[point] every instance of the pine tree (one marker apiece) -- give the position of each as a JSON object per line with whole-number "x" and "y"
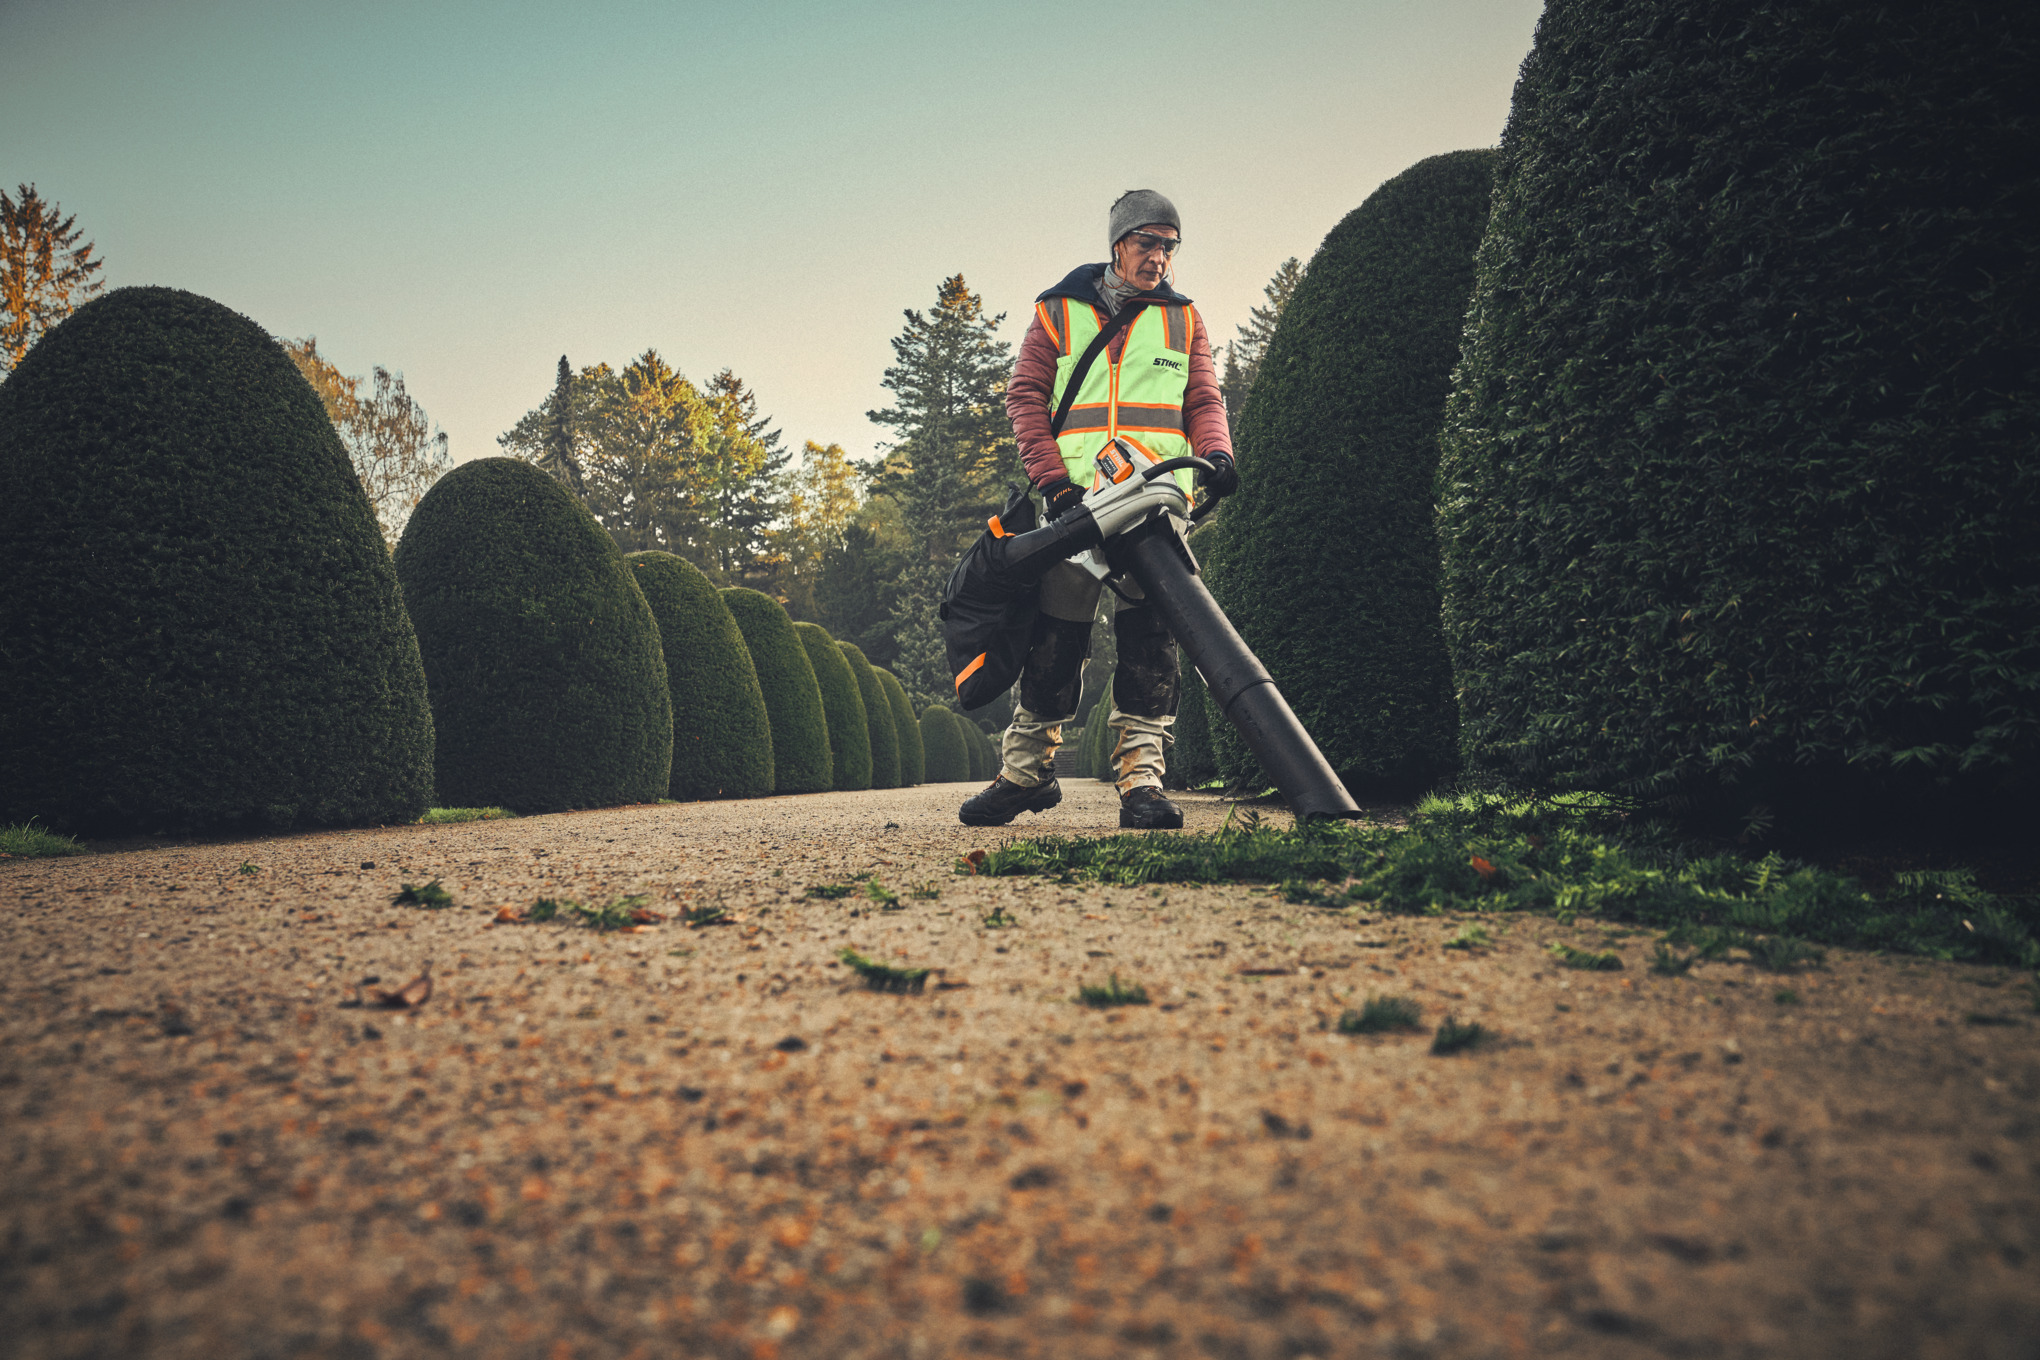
{"x": 741, "y": 467}
{"x": 557, "y": 456}
{"x": 952, "y": 449}
{"x": 1243, "y": 356}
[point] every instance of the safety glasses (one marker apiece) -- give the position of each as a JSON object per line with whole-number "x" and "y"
{"x": 1148, "y": 243}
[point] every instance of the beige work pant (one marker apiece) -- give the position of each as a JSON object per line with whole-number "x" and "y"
{"x": 1138, "y": 752}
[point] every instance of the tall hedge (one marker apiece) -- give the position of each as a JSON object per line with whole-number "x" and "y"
{"x": 1101, "y": 739}
{"x": 913, "y": 768}
{"x": 1329, "y": 563}
{"x": 801, "y": 762}
{"x": 878, "y": 719}
{"x": 722, "y": 740}
{"x": 199, "y": 625}
{"x": 1190, "y": 760}
{"x": 948, "y": 759}
{"x": 542, "y": 658}
{"x": 843, "y": 704}
{"x": 1740, "y": 480}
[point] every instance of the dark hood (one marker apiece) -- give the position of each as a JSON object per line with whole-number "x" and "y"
{"x": 1081, "y": 283}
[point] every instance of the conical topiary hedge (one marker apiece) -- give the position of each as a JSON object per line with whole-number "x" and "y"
{"x": 1329, "y": 561}
{"x": 199, "y": 625}
{"x": 942, "y": 738}
{"x": 542, "y": 658}
{"x": 878, "y": 719}
{"x": 843, "y": 705}
{"x": 793, "y": 698}
{"x": 722, "y": 740}
{"x": 912, "y": 760}
{"x": 1737, "y": 491}
{"x": 973, "y": 749}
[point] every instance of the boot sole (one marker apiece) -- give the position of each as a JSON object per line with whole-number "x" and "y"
{"x": 1127, "y": 823}
{"x": 986, "y": 819}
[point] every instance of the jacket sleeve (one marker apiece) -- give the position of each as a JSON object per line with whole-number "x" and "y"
{"x": 1027, "y": 404}
{"x": 1204, "y": 418}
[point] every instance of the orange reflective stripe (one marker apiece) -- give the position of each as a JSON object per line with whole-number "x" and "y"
{"x": 1190, "y": 335}
{"x": 971, "y": 669}
{"x": 1048, "y": 324}
{"x": 998, "y": 529}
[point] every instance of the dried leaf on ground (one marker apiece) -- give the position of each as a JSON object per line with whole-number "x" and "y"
{"x": 410, "y": 996}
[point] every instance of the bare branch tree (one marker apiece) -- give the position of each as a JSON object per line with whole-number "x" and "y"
{"x": 396, "y": 451}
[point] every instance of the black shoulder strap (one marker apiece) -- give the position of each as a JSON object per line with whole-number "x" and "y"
{"x": 1118, "y": 323}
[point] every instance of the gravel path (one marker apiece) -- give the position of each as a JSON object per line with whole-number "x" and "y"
{"x": 712, "y": 1142}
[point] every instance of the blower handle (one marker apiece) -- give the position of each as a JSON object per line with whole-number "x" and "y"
{"x": 1196, "y": 464}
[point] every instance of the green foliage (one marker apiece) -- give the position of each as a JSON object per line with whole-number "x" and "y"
{"x": 199, "y": 626}
{"x": 942, "y": 739}
{"x": 913, "y": 760}
{"x": 1561, "y": 858}
{"x": 801, "y": 762}
{"x": 614, "y": 915}
{"x": 1382, "y": 1015}
{"x": 1584, "y": 958}
{"x": 1329, "y": 561}
{"x": 1737, "y": 485}
{"x": 842, "y": 706}
{"x": 878, "y": 719}
{"x": 831, "y": 892}
{"x": 722, "y": 739}
{"x": 1474, "y": 936}
{"x": 1454, "y": 1037}
{"x": 428, "y": 895}
{"x": 885, "y": 898}
{"x": 445, "y": 816}
{"x": 547, "y": 682}
{"x": 1113, "y": 993}
{"x": 881, "y": 977}
{"x": 1668, "y": 962}
{"x": 26, "y": 840}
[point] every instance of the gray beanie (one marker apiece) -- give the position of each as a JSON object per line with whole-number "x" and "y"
{"x": 1138, "y": 208}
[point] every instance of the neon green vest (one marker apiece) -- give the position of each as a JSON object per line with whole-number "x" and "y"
{"x": 1139, "y": 399}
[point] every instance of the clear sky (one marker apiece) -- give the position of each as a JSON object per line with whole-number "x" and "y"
{"x": 462, "y": 192}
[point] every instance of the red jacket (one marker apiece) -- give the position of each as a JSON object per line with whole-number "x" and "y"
{"x": 1033, "y": 380}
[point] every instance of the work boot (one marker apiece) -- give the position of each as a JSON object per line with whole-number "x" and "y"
{"x": 1145, "y": 808}
{"x": 1002, "y": 800}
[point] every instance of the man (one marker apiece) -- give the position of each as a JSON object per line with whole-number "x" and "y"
{"x": 1155, "y": 387}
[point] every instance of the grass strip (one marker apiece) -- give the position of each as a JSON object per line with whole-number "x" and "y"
{"x": 1383, "y": 1015}
{"x": 441, "y": 816}
{"x": 26, "y": 840}
{"x": 1113, "y": 993}
{"x": 428, "y": 895}
{"x": 883, "y": 977}
{"x": 1567, "y": 858}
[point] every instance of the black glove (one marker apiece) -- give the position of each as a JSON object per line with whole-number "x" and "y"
{"x": 1223, "y": 479}
{"x": 1063, "y": 496}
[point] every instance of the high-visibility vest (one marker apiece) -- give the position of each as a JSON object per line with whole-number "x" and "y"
{"x": 1138, "y": 399}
